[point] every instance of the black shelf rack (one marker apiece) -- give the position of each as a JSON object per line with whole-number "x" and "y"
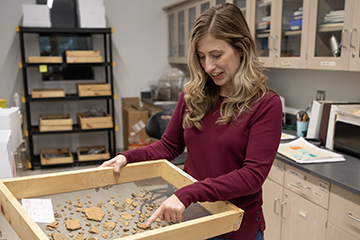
{"x": 108, "y": 68}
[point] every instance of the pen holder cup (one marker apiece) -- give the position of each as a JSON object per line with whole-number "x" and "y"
{"x": 301, "y": 128}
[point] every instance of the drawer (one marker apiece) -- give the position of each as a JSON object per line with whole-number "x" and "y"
{"x": 344, "y": 210}
{"x": 277, "y": 172}
{"x": 334, "y": 233}
{"x": 307, "y": 186}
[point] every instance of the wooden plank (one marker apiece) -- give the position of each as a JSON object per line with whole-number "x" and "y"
{"x": 58, "y": 160}
{"x": 82, "y": 53}
{"x": 92, "y": 59}
{"x": 44, "y": 59}
{"x": 47, "y": 93}
{"x": 17, "y": 217}
{"x": 55, "y": 119}
{"x": 55, "y": 128}
{"x": 90, "y": 157}
{"x": 94, "y": 122}
{"x": 54, "y": 183}
{"x": 93, "y": 86}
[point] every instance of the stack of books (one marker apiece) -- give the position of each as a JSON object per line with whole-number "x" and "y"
{"x": 296, "y": 20}
{"x": 333, "y": 19}
{"x": 264, "y": 25}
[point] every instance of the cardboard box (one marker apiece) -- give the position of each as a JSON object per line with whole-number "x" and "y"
{"x": 92, "y": 17}
{"x": 36, "y": 15}
{"x": 55, "y": 122}
{"x": 134, "y": 120}
{"x": 49, "y": 160}
{"x": 95, "y": 122}
{"x": 223, "y": 216}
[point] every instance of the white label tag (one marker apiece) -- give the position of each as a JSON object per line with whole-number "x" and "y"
{"x": 330, "y": 64}
{"x": 138, "y": 126}
{"x": 40, "y": 210}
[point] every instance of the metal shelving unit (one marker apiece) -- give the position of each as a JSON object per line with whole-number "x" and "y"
{"x": 108, "y": 68}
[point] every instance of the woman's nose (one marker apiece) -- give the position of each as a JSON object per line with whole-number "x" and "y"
{"x": 209, "y": 66}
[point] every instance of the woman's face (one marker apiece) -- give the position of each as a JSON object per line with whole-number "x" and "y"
{"x": 220, "y": 60}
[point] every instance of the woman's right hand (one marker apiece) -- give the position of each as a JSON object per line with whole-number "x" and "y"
{"x": 117, "y": 162}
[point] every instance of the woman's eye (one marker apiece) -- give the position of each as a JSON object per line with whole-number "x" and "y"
{"x": 201, "y": 57}
{"x": 216, "y": 56}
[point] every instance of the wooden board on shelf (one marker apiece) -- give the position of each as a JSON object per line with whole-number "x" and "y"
{"x": 224, "y": 217}
{"x": 65, "y": 156}
{"x": 87, "y": 59}
{"x": 55, "y": 122}
{"x": 48, "y": 93}
{"x": 94, "y": 122}
{"x": 44, "y": 59}
{"x": 92, "y": 157}
{"x": 93, "y": 89}
{"x": 82, "y": 53}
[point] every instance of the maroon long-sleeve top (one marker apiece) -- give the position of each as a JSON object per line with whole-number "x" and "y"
{"x": 231, "y": 162}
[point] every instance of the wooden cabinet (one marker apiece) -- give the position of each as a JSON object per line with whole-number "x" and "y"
{"x": 334, "y": 44}
{"x": 319, "y": 34}
{"x": 344, "y": 214}
{"x": 295, "y": 204}
{"x": 181, "y": 19}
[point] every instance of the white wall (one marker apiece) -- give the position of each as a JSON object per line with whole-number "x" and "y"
{"x": 299, "y": 87}
{"x": 140, "y": 53}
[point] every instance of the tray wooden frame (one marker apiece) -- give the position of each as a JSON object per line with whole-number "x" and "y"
{"x": 55, "y": 122}
{"x": 48, "y": 93}
{"x": 225, "y": 216}
{"x": 94, "y": 122}
{"x": 93, "y": 89}
{"x": 92, "y": 157}
{"x": 59, "y": 160}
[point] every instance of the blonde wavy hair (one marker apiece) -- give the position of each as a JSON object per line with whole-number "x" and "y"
{"x": 225, "y": 22}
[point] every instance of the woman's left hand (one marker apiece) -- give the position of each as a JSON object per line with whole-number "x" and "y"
{"x": 171, "y": 210}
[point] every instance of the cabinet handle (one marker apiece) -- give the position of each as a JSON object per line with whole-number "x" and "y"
{"x": 305, "y": 187}
{"x": 351, "y": 35}
{"x": 276, "y": 199}
{"x": 274, "y": 43}
{"x": 282, "y": 210}
{"x": 352, "y": 217}
{"x": 269, "y": 37}
{"x": 342, "y": 37}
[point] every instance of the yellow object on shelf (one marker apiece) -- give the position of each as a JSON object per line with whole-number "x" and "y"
{"x": 2, "y": 103}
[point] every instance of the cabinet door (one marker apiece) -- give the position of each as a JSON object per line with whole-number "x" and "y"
{"x": 329, "y": 34}
{"x": 291, "y": 34}
{"x": 334, "y": 233}
{"x": 355, "y": 39}
{"x": 265, "y": 19}
{"x": 302, "y": 219}
{"x": 172, "y": 35}
{"x": 272, "y": 198}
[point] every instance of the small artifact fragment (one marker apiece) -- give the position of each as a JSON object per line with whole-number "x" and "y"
{"x": 119, "y": 208}
{"x": 143, "y": 226}
{"x": 53, "y": 225}
{"x": 109, "y": 225}
{"x": 58, "y": 236}
{"x": 80, "y": 237}
{"x": 92, "y": 238}
{"x": 104, "y": 235}
{"x": 94, "y": 213}
{"x": 128, "y": 201}
{"x": 126, "y": 224}
{"x": 93, "y": 230}
{"x": 125, "y": 235}
{"x": 126, "y": 216}
{"x": 73, "y": 225}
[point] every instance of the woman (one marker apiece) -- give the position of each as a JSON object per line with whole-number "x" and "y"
{"x": 228, "y": 118}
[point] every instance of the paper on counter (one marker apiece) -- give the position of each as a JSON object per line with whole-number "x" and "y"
{"x": 40, "y": 210}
